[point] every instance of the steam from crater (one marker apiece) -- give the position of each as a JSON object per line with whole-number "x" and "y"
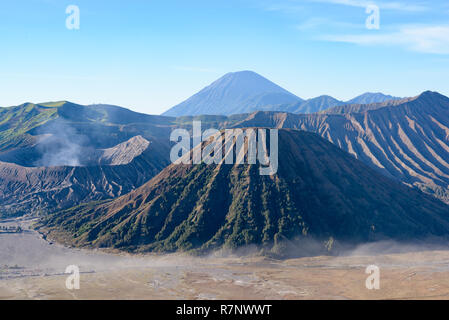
{"x": 61, "y": 145}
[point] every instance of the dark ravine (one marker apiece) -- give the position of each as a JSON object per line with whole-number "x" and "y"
{"x": 319, "y": 192}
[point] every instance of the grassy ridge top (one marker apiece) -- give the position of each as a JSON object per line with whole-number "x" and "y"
{"x": 16, "y": 122}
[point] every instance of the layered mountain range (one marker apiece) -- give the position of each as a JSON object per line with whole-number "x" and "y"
{"x": 407, "y": 139}
{"x": 319, "y": 192}
{"x": 247, "y": 91}
{"x": 403, "y": 139}
{"x": 359, "y": 185}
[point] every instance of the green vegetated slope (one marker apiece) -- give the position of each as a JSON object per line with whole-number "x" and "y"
{"x": 16, "y": 122}
{"x": 319, "y": 192}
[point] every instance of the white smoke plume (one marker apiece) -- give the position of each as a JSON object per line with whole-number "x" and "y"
{"x": 60, "y": 146}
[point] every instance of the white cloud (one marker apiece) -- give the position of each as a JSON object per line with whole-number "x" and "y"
{"x": 313, "y": 23}
{"x": 426, "y": 39}
{"x": 287, "y": 8}
{"x": 387, "y": 5}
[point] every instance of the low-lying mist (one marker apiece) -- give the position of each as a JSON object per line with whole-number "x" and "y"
{"x": 35, "y": 256}
{"x": 310, "y": 247}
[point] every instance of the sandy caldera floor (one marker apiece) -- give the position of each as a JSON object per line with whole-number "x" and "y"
{"x": 420, "y": 275}
{"x": 31, "y": 268}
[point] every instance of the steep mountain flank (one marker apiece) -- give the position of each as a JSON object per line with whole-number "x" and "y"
{"x": 319, "y": 192}
{"x": 122, "y": 153}
{"x": 407, "y": 140}
{"x": 403, "y": 139}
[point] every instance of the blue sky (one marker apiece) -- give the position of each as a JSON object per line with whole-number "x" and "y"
{"x": 150, "y": 55}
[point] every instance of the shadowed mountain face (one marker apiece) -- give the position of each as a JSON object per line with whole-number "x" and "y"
{"x": 328, "y": 104}
{"x": 319, "y": 192}
{"x": 357, "y": 108}
{"x": 371, "y": 97}
{"x": 406, "y": 139}
{"x": 239, "y": 92}
{"x": 313, "y": 105}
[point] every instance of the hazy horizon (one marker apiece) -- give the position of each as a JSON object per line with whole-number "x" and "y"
{"x": 134, "y": 109}
{"x": 148, "y": 57}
